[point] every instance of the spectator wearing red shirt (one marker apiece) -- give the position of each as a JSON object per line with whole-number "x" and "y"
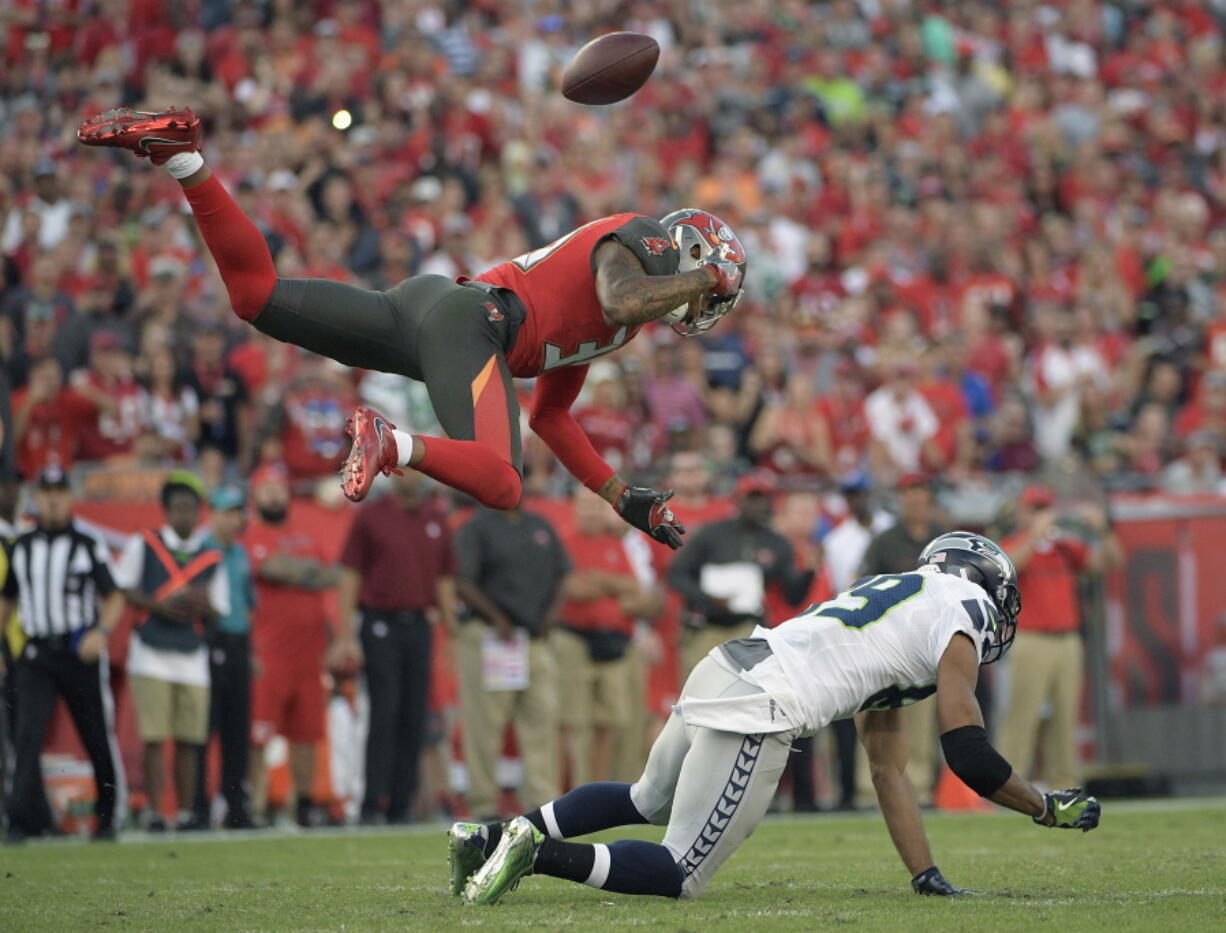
{"x": 397, "y": 579}
{"x": 787, "y": 439}
{"x": 1047, "y": 664}
{"x": 289, "y": 634}
{"x": 47, "y": 420}
{"x": 310, "y": 423}
{"x": 604, "y": 419}
{"x": 842, "y": 411}
{"x": 594, "y": 643}
{"x": 117, "y": 419}
{"x": 952, "y": 445}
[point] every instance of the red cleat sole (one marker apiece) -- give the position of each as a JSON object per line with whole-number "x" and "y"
{"x": 365, "y": 460}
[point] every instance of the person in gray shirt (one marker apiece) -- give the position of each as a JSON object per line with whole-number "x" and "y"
{"x": 512, "y": 568}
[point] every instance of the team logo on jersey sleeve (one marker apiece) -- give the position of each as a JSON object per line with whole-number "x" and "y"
{"x": 655, "y": 245}
{"x": 491, "y": 311}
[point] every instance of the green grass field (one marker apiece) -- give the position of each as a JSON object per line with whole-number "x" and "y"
{"x": 1149, "y": 867}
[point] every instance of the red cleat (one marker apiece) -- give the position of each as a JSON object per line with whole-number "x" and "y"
{"x": 155, "y": 136}
{"x": 374, "y": 452}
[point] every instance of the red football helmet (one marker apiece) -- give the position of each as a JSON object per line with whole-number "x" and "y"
{"x": 700, "y": 237}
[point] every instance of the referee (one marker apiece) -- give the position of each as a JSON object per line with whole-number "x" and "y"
{"x": 68, "y": 603}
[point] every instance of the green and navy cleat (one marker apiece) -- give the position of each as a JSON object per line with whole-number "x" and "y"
{"x": 465, "y": 853}
{"x": 503, "y": 870}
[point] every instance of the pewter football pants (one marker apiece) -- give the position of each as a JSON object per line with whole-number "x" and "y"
{"x": 427, "y": 328}
{"x": 710, "y": 788}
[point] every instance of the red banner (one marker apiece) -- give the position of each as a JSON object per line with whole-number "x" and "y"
{"x": 1166, "y": 607}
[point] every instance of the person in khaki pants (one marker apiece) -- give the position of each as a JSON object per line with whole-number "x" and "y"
{"x": 599, "y": 671}
{"x": 1047, "y": 665}
{"x": 512, "y": 571}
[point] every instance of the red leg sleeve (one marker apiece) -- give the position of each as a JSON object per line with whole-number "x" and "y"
{"x": 474, "y": 468}
{"x": 236, "y": 244}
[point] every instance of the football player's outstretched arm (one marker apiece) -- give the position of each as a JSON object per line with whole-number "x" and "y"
{"x": 630, "y": 297}
{"x": 885, "y": 741}
{"x": 973, "y": 759}
{"x": 552, "y": 421}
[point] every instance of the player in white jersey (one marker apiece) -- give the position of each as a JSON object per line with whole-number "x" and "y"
{"x": 889, "y": 641}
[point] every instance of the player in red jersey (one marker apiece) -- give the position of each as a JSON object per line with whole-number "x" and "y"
{"x": 544, "y": 314}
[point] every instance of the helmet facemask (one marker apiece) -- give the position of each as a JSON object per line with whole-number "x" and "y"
{"x": 700, "y": 237}
{"x": 982, "y": 562}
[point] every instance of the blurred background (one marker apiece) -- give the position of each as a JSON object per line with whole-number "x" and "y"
{"x": 987, "y": 257}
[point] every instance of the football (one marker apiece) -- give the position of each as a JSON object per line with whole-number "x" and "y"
{"x": 610, "y": 68}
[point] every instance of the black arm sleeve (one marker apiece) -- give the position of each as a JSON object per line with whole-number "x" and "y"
{"x": 650, "y": 243}
{"x": 971, "y": 756}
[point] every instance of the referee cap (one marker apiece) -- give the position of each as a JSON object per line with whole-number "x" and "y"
{"x": 52, "y": 476}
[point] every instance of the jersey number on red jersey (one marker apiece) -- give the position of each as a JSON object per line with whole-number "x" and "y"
{"x": 537, "y": 256}
{"x": 587, "y": 350}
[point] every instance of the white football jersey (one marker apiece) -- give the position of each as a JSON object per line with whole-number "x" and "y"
{"x": 875, "y": 646}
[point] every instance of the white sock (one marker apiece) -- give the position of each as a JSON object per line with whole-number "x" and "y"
{"x": 600, "y": 868}
{"x": 404, "y": 447}
{"x": 183, "y": 164}
{"x": 551, "y": 822}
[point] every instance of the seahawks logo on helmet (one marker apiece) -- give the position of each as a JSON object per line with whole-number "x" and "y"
{"x": 981, "y": 561}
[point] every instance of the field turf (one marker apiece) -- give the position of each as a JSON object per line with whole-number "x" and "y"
{"x": 1150, "y": 867}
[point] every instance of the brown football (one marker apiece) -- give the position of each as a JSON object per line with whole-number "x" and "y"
{"x": 610, "y": 68}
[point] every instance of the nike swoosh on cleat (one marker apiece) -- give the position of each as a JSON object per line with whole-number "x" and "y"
{"x": 145, "y": 140}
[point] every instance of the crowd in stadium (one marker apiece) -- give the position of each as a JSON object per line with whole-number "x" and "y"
{"x": 984, "y": 239}
{"x": 982, "y": 236}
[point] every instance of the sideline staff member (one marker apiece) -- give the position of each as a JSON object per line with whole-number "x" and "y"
{"x": 394, "y": 596}
{"x": 60, "y": 576}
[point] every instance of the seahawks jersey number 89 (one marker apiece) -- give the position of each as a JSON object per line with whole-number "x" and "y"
{"x": 875, "y": 646}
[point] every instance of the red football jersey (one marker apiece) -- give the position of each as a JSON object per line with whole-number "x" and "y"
{"x": 288, "y": 621}
{"x": 565, "y": 324}
{"x": 607, "y": 554}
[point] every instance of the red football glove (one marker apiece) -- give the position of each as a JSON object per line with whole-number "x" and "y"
{"x": 728, "y": 277}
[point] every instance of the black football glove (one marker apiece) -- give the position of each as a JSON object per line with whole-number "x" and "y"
{"x": 1070, "y": 809}
{"x": 933, "y": 882}
{"x": 645, "y": 509}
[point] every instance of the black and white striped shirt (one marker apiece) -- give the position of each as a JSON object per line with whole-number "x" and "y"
{"x": 58, "y": 579}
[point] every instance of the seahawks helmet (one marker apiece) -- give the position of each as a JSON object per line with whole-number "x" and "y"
{"x": 980, "y": 560}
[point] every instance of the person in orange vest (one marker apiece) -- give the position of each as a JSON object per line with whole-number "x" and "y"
{"x": 174, "y": 580}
